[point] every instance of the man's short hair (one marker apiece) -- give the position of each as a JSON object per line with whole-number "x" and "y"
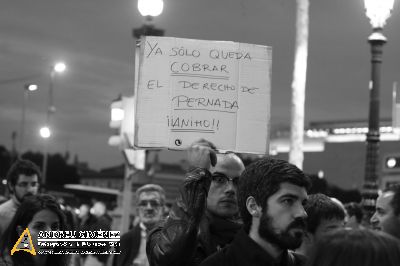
{"x": 320, "y": 207}
{"x": 22, "y": 167}
{"x": 151, "y": 188}
{"x": 262, "y": 179}
{"x": 354, "y": 209}
{"x": 395, "y": 203}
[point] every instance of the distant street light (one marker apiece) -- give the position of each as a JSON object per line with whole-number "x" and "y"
{"x": 60, "y": 67}
{"x": 45, "y": 132}
{"x": 31, "y": 87}
{"x": 149, "y": 9}
{"x": 378, "y": 11}
{"x": 27, "y": 89}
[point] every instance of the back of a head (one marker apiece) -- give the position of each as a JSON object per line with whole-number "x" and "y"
{"x": 356, "y": 247}
{"x": 99, "y": 208}
{"x": 262, "y": 179}
{"x": 321, "y": 207}
{"x": 22, "y": 167}
{"x": 354, "y": 209}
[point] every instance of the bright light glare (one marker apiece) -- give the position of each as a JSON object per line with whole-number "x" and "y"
{"x": 378, "y": 11}
{"x": 117, "y": 114}
{"x": 45, "y": 132}
{"x": 391, "y": 162}
{"x": 150, "y": 7}
{"x": 32, "y": 87}
{"x": 60, "y": 67}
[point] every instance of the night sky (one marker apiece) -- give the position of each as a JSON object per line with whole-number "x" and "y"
{"x": 94, "y": 39}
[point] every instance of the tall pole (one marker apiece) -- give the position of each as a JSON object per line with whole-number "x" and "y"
{"x": 370, "y": 187}
{"x": 50, "y": 111}
{"x": 22, "y": 131}
{"x": 296, "y": 154}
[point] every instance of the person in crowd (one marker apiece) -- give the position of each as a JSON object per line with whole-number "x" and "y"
{"x": 71, "y": 219}
{"x": 103, "y": 222}
{"x": 150, "y": 202}
{"x": 37, "y": 213}
{"x": 387, "y": 214}
{"x": 323, "y": 215}
{"x": 355, "y": 215}
{"x": 23, "y": 178}
{"x": 272, "y": 194}
{"x": 205, "y": 217}
{"x": 167, "y": 208}
{"x": 86, "y": 222}
{"x": 357, "y": 247}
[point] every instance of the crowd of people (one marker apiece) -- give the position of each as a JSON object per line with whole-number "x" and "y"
{"x": 226, "y": 214}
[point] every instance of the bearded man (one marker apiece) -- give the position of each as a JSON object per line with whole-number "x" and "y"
{"x": 23, "y": 179}
{"x": 271, "y": 194}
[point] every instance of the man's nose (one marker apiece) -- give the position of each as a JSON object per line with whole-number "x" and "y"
{"x": 230, "y": 187}
{"x": 374, "y": 219}
{"x": 32, "y": 189}
{"x": 301, "y": 212}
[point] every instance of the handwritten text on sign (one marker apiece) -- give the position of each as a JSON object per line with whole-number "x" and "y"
{"x": 190, "y": 89}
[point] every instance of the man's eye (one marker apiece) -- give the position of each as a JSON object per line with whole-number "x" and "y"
{"x": 55, "y": 227}
{"x": 288, "y": 201}
{"x": 39, "y": 227}
{"x": 220, "y": 179}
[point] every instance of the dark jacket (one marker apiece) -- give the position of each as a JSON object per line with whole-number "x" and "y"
{"x": 103, "y": 223}
{"x": 244, "y": 251}
{"x": 129, "y": 247}
{"x": 180, "y": 240}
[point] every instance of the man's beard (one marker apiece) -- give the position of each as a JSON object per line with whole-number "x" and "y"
{"x": 21, "y": 199}
{"x": 284, "y": 239}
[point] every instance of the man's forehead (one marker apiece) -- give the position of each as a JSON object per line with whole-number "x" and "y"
{"x": 229, "y": 165}
{"x": 27, "y": 178}
{"x": 384, "y": 199}
{"x": 291, "y": 189}
{"x": 145, "y": 195}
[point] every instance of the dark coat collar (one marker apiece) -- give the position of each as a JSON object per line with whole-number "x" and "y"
{"x": 245, "y": 251}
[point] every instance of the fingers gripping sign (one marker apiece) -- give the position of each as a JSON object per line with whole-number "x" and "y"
{"x": 202, "y": 154}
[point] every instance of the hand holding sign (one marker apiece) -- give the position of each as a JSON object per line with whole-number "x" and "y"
{"x": 202, "y": 154}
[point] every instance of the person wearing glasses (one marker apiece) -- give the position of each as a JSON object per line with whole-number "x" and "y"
{"x": 205, "y": 217}
{"x": 23, "y": 179}
{"x": 150, "y": 209}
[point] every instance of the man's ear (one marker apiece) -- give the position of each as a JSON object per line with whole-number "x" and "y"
{"x": 252, "y": 207}
{"x": 10, "y": 188}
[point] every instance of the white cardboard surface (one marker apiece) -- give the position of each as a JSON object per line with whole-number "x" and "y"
{"x": 191, "y": 89}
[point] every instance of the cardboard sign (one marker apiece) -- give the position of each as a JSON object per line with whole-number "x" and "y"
{"x": 191, "y": 89}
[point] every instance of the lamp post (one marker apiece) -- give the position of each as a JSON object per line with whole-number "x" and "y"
{"x": 27, "y": 89}
{"x": 45, "y": 132}
{"x": 378, "y": 11}
{"x": 149, "y": 9}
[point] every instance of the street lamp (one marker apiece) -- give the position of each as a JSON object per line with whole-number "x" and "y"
{"x": 27, "y": 89}
{"x": 45, "y": 132}
{"x": 378, "y": 11}
{"x": 149, "y": 9}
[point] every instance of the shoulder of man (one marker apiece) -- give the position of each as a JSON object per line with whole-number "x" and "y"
{"x": 296, "y": 259}
{"x": 6, "y": 205}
